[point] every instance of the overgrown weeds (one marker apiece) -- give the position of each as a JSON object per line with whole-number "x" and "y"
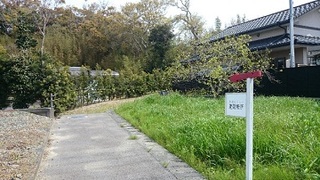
{"x": 286, "y": 134}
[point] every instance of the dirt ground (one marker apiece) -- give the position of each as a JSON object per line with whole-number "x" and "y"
{"x": 22, "y": 139}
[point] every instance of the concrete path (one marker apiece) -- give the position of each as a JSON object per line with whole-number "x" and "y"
{"x": 100, "y": 146}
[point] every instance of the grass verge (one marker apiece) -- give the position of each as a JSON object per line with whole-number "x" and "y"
{"x": 286, "y": 134}
{"x": 99, "y": 108}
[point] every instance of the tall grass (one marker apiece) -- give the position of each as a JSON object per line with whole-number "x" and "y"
{"x": 286, "y": 134}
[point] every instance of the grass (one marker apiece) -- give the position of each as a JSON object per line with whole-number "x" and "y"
{"x": 286, "y": 134}
{"x": 133, "y": 137}
{"x": 165, "y": 164}
{"x": 100, "y": 107}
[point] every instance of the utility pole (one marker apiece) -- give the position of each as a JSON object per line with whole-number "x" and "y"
{"x": 292, "y": 56}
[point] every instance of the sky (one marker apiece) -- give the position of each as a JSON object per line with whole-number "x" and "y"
{"x": 226, "y": 10}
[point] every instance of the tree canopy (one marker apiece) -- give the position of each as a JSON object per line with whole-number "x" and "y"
{"x": 97, "y": 33}
{"x": 40, "y": 38}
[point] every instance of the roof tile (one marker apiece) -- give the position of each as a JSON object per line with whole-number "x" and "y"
{"x": 275, "y": 19}
{"x": 283, "y": 40}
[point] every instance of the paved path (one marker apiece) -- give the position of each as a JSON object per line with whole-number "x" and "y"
{"x": 99, "y": 147}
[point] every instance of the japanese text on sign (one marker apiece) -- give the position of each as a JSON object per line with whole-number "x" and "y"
{"x": 236, "y": 104}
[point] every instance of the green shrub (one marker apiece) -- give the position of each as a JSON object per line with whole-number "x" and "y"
{"x": 29, "y": 78}
{"x": 57, "y": 81}
{"x": 21, "y": 74}
{"x": 4, "y": 91}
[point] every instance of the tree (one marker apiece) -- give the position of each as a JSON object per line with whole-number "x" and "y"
{"x": 43, "y": 16}
{"x": 218, "y": 24}
{"x": 238, "y": 20}
{"x": 57, "y": 80}
{"x": 12, "y": 13}
{"x": 160, "y": 41}
{"x": 5, "y": 27}
{"x": 63, "y": 37}
{"x": 190, "y": 23}
{"x": 21, "y": 75}
{"x": 138, "y": 19}
{"x": 217, "y": 61}
{"x": 26, "y": 30}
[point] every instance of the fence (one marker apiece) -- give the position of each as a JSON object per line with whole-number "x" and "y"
{"x": 302, "y": 82}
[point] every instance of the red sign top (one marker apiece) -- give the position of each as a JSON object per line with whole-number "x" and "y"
{"x": 242, "y": 76}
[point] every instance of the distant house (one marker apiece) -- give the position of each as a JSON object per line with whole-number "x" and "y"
{"x": 77, "y": 71}
{"x": 272, "y": 32}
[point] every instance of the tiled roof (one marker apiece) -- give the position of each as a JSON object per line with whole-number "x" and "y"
{"x": 283, "y": 40}
{"x": 275, "y": 19}
{"x": 272, "y": 42}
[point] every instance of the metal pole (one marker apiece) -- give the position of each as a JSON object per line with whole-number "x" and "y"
{"x": 292, "y": 56}
{"x": 249, "y": 127}
{"x": 51, "y": 100}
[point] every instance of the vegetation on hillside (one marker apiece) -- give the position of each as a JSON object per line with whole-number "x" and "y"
{"x": 40, "y": 39}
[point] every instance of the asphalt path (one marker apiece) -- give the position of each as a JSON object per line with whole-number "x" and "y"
{"x": 104, "y": 146}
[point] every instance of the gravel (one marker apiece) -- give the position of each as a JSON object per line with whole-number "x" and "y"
{"x": 23, "y": 137}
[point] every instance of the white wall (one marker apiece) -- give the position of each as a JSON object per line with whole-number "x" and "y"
{"x": 311, "y": 19}
{"x": 300, "y": 54}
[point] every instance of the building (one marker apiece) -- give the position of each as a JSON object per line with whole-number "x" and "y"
{"x": 272, "y": 32}
{"x": 76, "y": 71}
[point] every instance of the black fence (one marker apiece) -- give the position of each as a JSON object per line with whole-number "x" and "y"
{"x": 302, "y": 82}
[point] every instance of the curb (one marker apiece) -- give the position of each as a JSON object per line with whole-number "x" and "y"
{"x": 170, "y": 162}
{"x": 43, "y": 148}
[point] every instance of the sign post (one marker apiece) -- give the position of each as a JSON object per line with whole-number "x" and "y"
{"x": 248, "y": 114}
{"x": 249, "y": 129}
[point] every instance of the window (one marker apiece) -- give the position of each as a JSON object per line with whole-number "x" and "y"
{"x": 280, "y": 63}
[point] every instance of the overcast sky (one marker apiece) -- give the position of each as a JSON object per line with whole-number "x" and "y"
{"x": 226, "y": 10}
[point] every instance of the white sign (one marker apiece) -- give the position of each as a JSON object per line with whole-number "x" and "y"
{"x": 236, "y": 104}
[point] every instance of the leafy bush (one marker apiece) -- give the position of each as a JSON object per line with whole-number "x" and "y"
{"x": 29, "y": 78}
{"x": 21, "y": 75}
{"x": 57, "y": 81}
{"x": 105, "y": 84}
